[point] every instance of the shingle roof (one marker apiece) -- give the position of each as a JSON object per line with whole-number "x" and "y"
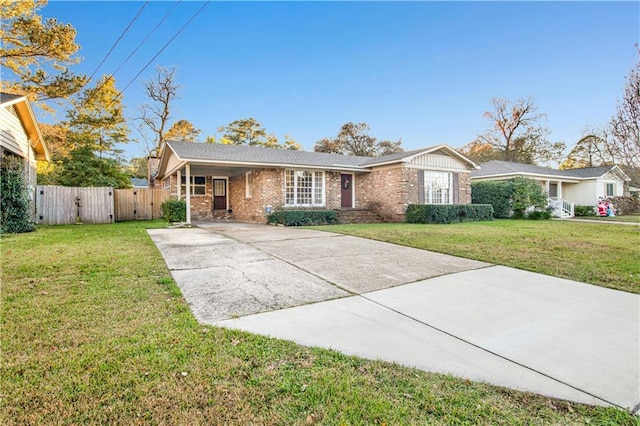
{"x": 8, "y": 97}
{"x": 496, "y": 167}
{"x": 252, "y": 154}
{"x": 392, "y": 157}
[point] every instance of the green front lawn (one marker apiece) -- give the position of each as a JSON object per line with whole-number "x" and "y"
{"x": 628, "y": 218}
{"x": 95, "y": 331}
{"x": 601, "y": 254}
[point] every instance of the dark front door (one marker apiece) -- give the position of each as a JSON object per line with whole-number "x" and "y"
{"x": 219, "y": 194}
{"x": 346, "y": 192}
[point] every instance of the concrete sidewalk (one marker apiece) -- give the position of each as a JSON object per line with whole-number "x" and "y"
{"x": 438, "y": 313}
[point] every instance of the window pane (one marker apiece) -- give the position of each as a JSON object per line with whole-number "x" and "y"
{"x": 437, "y": 187}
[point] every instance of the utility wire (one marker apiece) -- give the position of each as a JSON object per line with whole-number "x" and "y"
{"x": 163, "y": 48}
{"x": 137, "y": 47}
{"x": 116, "y": 43}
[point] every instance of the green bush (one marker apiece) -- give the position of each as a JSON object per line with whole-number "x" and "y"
{"x": 496, "y": 193}
{"x": 510, "y": 199}
{"x": 15, "y": 206}
{"x": 303, "y": 217}
{"x": 174, "y": 210}
{"x": 448, "y": 213}
{"x": 581, "y": 210}
{"x": 539, "y": 215}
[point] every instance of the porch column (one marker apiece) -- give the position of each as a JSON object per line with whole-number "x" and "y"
{"x": 546, "y": 188}
{"x": 179, "y": 177}
{"x": 187, "y": 177}
{"x": 560, "y": 197}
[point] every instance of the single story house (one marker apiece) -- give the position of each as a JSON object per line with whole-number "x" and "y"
{"x": 250, "y": 182}
{"x": 565, "y": 188}
{"x": 20, "y": 136}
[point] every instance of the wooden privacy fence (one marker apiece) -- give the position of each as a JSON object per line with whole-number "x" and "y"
{"x": 139, "y": 203}
{"x": 60, "y": 205}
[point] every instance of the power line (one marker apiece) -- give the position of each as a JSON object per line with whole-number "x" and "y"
{"x": 137, "y": 48}
{"x": 160, "y": 51}
{"x": 116, "y": 43}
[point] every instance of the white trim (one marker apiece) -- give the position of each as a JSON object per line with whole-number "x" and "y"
{"x": 248, "y": 186}
{"x": 353, "y": 189}
{"x": 188, "y": 190}
{"x": 226, "y": 190}
{"x": 313, "y": 187}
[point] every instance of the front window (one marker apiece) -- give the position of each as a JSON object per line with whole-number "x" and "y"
{"x": 610, "y": 190}
{"x": 304, "y": 188}
{"x": 437, "y": 187}
{"x": 198, "y": 186}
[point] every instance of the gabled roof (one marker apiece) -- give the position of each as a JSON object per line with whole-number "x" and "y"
{"x": 498, "y": 168}
{"x": 243, "y": 155}
{"x": 28, "y": 119}
{"x": 407, "y": 156}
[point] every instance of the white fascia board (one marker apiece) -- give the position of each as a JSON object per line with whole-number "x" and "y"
{"x": 223, "y": 163}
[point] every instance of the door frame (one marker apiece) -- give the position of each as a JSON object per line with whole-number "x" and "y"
{"x": 353, "y": 190}
{"x": 226, "y": 191}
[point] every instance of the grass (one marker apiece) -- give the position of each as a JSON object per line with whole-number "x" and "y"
{"x": 628, "y": 218}
{"x": 95, "y": 331}
{"x": 602, "y": 254}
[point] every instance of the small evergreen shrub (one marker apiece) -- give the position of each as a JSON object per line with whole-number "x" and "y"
{"x": 448, "y": 213}
{"x": 15, "y": 206}
{"x": 496, "y": 193}
{"x": 510, "y": 199}
{"x": 539, "y": 215}
{"x": 303, "y": 217}
{"x": 582, "y": 210}
{"x": 174, "y": 210}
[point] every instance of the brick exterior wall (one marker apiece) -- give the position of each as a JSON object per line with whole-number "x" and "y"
{"x": 386, "y": 190}
{"x": 268, "y": 190}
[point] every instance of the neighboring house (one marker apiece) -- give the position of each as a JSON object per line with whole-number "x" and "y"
{"x": 565, "y": 188}
{"x": 139, "y": 182}
{"x": 249, "y": 182}
{"x": 20, "y": 136}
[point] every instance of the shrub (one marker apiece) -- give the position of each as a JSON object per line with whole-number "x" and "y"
{"x": 582, "y": 210}
{"x": 174, "y": 210}
{"x": 496, "y": 193}
{"x": 526, "y": 193}
{"x": 448, "y": 213}
{"x": 303, "y": 217}
{"x": 539, "y": 215}
{"x": 15, "y": 206}
{"x": 509, "y": 198}
{"x": 626, "y": 205}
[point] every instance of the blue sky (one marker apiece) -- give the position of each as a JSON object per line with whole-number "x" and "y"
{"x": 420, "y": 71}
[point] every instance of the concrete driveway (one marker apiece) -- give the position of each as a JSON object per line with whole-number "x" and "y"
{"x": 431, "y": 311}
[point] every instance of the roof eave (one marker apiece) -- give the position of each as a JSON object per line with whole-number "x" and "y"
{"x": 31, "y": 127}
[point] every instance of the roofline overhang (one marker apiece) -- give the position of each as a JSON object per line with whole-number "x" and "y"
{"x": 252, "y": 164}
{"x": 428, "y": 151}
{"x": 531, "y": 175}
{"x": 28, "y": 119}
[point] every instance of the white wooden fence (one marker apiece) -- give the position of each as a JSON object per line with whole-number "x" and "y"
{"x": 60, "y": 205}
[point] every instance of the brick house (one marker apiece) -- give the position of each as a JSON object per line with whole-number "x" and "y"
{"x": 247, "y": 183}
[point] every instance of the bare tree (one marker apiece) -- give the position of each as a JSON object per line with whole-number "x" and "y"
{"x": 624, "y": 127}
{"x": 161, "y": 91}
{"x": 354, "y": 139}
{"x": 517, "y": 133}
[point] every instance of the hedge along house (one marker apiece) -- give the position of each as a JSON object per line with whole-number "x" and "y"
{"x": 565, "y": 188}
{"x": 20, "y": 136}
{"x": 250, "y": 182}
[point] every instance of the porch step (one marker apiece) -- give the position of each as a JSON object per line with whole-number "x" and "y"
{"x": 222, "y": 215}
{"x": 358, "y": 216}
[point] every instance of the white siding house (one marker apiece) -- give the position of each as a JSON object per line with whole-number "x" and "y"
{"x": 565, "y": 188}
{"x": 20, "y": 136}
